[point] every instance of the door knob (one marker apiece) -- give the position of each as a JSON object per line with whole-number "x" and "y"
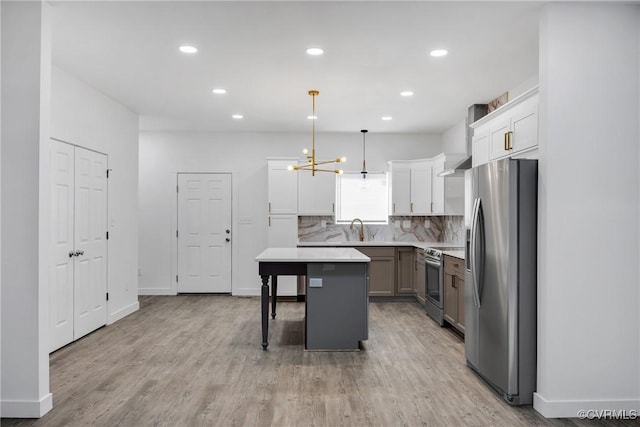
{"x": 78, "y": 253}
{"x": 228, "y": 239}
{"x": 72, "y": 254}
{"x": 228, "y": 231}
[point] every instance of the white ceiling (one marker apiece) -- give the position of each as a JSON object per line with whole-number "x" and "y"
{"x": 256, "y": 50}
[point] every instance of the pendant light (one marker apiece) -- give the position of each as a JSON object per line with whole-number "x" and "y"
{"x": 364, "y": 162}
{"x": 312, "y": 164}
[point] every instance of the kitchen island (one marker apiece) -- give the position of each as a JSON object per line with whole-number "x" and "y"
{"x": 336, "y": 305}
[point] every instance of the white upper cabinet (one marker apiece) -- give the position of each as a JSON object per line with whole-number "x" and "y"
{"x": 282, "y": 187}
{"x": 510, "y": 131}
{"x": 316, "y": 194}
{"x": 417, "y": 190}
{"x": 400, "y": 173}
{"x": 421, "y": 189}
{"x": 480, "y": 147}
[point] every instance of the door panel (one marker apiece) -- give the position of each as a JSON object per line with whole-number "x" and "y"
{"x": 493, "y": 314}
{"x": 78, "y": 226}
{"x": 204, "y": 216}
{"x": 90, "y": 279}
{"x": 61, "y": 269}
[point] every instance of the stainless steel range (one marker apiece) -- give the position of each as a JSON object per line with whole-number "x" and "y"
{"x": 434, "y": 295}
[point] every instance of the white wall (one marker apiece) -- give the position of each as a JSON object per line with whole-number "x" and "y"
{"x": 588, "y": 317}
{"x": 162, "y": 155}
{"x": 85, "y": 117}
{"x": 26, "y": 62}
{"x": 454, "y": 139}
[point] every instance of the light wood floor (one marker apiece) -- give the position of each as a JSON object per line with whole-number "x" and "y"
{"x": 197, "y": 361}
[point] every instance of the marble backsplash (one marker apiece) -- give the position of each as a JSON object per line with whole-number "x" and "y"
{"x": 448, "y": 229}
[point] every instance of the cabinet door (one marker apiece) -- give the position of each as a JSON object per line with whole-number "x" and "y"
{"x": 437, "y": 194}
{"x": 316, "y": 194}
{"x": 283, "y": 233}
{"x": 400, "y": 189}
{"x": 404, "y": 282}
{"x": 459, "y": 278}
{"x": 480, "y": 148}
{"x": 382, "y": 271}
{"x": 282, "y": 187}
{"x": 381, "y": 276}
{"x": 421, "y": 278}
{"x": 450, "y": 298}
{"x": 498, "y": 134}
{"x": 524, "y": 125}
{"x": 420, "y": 188}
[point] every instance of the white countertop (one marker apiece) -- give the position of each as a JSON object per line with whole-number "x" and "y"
{"x": 456, "y": 254}
{"x": 312, "y": 255}
{"x": 352, "y": 244}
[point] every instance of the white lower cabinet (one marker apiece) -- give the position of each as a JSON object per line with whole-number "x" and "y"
{"x": 283, "y": 233}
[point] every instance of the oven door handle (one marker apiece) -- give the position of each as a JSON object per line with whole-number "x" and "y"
{"x": 435, "y": 264}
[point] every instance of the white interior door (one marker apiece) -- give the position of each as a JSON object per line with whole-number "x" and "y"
{"x": 204, "y": 233}
{"x": 78, "y": 273}
{"x": 90, "y": 272}
{"x": 62, "y": 260}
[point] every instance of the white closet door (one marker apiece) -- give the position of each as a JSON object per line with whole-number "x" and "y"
{"x": 204, "y": 232}
{"x": 90, "y": 272}
{"x": 62, "y": 260}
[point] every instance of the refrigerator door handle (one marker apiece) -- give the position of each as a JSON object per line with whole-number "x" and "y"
{"x": 472, "y": 252}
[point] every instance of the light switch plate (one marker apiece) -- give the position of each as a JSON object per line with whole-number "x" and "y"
{"x": 427, "y": 223}
{"x": 406, "y": 223}
{"x": 396, "y": 224}
{"x": 315, "y": 282}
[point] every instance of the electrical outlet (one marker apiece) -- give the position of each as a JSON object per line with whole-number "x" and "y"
{"x": 323, "y": 224}
{"x": 427, "y": 223}
{"x": 449, "y": 223}
{"x": 406, "y": 223}
{"x": 396, "y": 224}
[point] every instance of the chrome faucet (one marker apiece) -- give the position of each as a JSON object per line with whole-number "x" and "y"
{"x": 361, "y": 228}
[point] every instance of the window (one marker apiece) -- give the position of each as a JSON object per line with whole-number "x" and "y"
{"x": 367, "y": 199}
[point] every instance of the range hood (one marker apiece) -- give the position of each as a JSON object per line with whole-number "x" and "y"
{"x": 457, "y": 170}
{"x": 476, "y": 111}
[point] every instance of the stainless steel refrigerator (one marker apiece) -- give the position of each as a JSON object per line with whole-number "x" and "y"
{"x": 500, "y": 279}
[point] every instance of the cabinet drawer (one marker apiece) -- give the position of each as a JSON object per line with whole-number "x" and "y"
{"x": 377, "y": 251}
{"x": 453, "y": 266}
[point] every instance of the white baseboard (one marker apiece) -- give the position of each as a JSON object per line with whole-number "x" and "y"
{"x": 155, "y": 291}
{"x": 123, "y": 312}
{"x": 246, "y": 292}
{"x": 27, "y": 408}
{"x": 588, "y": 408}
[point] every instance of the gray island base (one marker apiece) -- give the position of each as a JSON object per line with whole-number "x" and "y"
{"x": 336, "y": 306}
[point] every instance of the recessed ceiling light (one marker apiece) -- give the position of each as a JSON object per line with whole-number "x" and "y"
{"x": 312, "y": 117}
{"x": 315, "y": 51}
{"x": 219, "y": 91}
{"x": 387, "y": 118}
{"x": 237, "y": 116}
{"x": 406, "y": 93}
{"x": 188, "y": 49}
{"x": 439, "y": 52}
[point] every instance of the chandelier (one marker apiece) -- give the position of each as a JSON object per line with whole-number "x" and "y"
{"x": 312, "y": 164}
